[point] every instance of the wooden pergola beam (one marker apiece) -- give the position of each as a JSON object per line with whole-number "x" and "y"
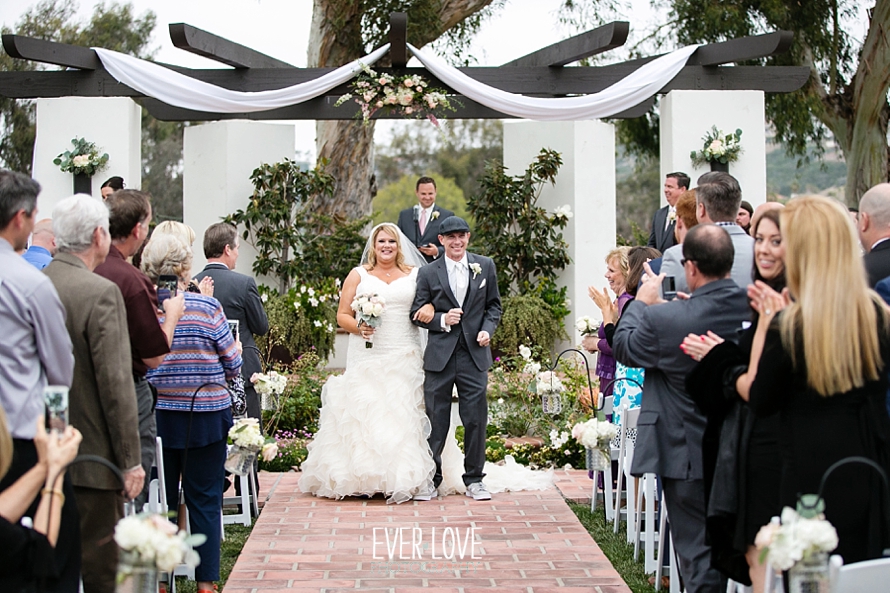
{"x": 742, "y": 49}
{"x": 589, "y": 43}
{"x": 541, "y": 81}
{"x": 322, "y": 108}
{"x": 50, "y": 52}
{"x": 398, "y": 39}
{"x": 220, "y": 49}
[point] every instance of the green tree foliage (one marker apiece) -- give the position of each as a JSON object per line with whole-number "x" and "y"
{"x": 459, "y": 151}
{"x": 397, "y": 196}
{"x": 846, "y": 95}
{"x": 114, "y": 26}
{"x": 294, "y": 241}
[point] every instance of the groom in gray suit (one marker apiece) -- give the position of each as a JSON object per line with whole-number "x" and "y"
{"x": 463, "y": 289}
{"x": 671, "y": 427}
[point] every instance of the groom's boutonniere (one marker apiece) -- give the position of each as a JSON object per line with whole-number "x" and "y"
{"x": 435, "y": 215}
{"x": 672, "y": 216}
{"x": 476, "y": 269}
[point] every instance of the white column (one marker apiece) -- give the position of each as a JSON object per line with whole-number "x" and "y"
{"x": 586, "y": 182}
{"x": 113, "y": 124}
{"x": 686, "y": 116}
{"x": 218, "y": 159}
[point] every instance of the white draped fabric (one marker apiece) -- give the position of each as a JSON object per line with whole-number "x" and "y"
{"x": 184, "y": 91}
{"x": 624, "y": 94}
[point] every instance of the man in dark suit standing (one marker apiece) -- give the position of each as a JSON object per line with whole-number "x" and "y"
{"x": 420, "y": 223}
{"x": 670, "y": 428}
{"x": 240, "y": 299}
{"x": 463, "y": 289}
{"x": 874, "y": 232}
{"x": 662, "y": 235}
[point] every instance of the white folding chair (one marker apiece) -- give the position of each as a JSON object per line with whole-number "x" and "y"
{"x": 246, "y": 501}
{"x": 608, "y": 500}
{"x": 625, "y": 459}
{"x": 859, "y": 577}
{"x": 672, "y": 564}
{"x": 157, "y": 488}
{"x": 646, "y": 533}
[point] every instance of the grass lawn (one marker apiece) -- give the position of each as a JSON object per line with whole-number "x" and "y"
{"x": 615, "y": 546}
{"x": 236, "y": 536}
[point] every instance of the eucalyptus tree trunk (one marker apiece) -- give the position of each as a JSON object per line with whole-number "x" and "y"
{"x": 336, "y": 39}
{"x": 858, "y": 114}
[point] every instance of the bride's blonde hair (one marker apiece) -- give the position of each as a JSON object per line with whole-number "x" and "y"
{"x": 393, "y": 231}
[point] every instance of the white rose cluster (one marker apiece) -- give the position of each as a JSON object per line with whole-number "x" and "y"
{"x": 587, "y": 326}
{"x": 716, "y": 147}
{"x": 594, "y": 434}
{"x": 81, "y": 160}
{"x": 246, "y": 433}
{"x": 795, "y": 539}
{"x": 548, "y": 382}
{"x": 271, "y": 383}
{"x": 153, "y": 541}
{"x": 369, "y": 307}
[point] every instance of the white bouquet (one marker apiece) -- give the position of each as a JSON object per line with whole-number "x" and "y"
{"x": 795, "y": 539}
{"x": 368, "y": 308}
{"x": 149, "y": 540}
{"x": 246, "y": 433}
{"x": 594, "y": 434}
{"x": 269, "y": 383}
{"x": 587, "y": 326}
{"x": 548, "y": 382}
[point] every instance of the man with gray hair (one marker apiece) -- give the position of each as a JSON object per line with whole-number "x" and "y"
{"x": 874, "y": 232}
{"x": 717, "y": 198}
{"x": 43, "y": 245}
{"x": 103, "y": 397}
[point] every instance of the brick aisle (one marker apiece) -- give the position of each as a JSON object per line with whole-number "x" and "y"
{"x": 527, "y": 542}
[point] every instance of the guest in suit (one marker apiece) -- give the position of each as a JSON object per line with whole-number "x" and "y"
{"x": 463, "y": 289}
{"x": 743, "y": 218}
{"x": 103, "y": 397}
{"x": 240, "y": 299}
{"x": 421, "y": 222}
{"x": 664, "y": 220}
{"x": 717, "y": 196}
{"x": 874, "y": 232}
{"x": 670, "y": 427}
{"x": 686, "y": 219}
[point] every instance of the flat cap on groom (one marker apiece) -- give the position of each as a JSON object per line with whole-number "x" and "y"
{"x": 463, "y": 289}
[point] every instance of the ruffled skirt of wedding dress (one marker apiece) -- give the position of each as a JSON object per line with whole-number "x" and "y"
{"x": 372, "y": 431}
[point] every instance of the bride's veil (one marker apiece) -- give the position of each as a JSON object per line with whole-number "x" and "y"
{"x": 412, "y": 257}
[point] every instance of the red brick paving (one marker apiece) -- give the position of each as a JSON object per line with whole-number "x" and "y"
{"x": 525, "y": 542}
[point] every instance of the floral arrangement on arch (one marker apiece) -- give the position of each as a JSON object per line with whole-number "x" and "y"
{"x": 151, "y": 541}
{"x": 718, "y": 146}
{"x": 84, "y": 159}
{"x": 407, "y": 95}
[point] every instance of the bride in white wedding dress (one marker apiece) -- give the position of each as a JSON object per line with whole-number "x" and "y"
{"x": 373, "y": 429}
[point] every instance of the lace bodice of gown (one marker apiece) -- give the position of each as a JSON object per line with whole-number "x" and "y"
{"x": 396, "y": 332}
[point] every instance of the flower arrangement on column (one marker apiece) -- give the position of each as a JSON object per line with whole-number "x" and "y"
{"x": 719, "y": 149}
{"x": 84, "y": 162}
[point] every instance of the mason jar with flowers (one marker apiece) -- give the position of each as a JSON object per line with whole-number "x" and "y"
{"x": 247, "y": 442}
{"x": 149, "y": 543}
{"x": 596, "y": 436}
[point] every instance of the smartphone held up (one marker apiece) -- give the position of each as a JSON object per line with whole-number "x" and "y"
{"x": 168, "y": 285}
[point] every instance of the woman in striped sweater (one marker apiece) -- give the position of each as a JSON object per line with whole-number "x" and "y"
{"x": 203, "y": 351}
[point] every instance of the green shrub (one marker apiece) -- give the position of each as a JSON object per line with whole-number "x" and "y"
{"x": 302, "y": 320}
{"x": 300, "y": 404}
{"x": 526, "y": 320}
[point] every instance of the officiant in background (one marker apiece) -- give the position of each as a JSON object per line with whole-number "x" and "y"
{"x": 420, "y": 223}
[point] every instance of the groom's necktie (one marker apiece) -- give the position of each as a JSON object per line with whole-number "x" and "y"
{"x": 458, "y": 278}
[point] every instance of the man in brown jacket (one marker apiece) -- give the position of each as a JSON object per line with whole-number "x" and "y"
{"x": 102, "y": 401}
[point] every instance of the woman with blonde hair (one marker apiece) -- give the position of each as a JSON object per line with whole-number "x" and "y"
{"x": 822, "y": 365}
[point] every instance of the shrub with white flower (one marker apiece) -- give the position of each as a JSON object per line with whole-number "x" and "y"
{"x": 564, "y": 212}
{"x": 151, "y": 541}
{"x": 405, "y": 95}
{"x": 587, "y": 325}
{"x": 795, "y": 539}
{"x": 718, "y": 146}
{"x": 85, "y": 158}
